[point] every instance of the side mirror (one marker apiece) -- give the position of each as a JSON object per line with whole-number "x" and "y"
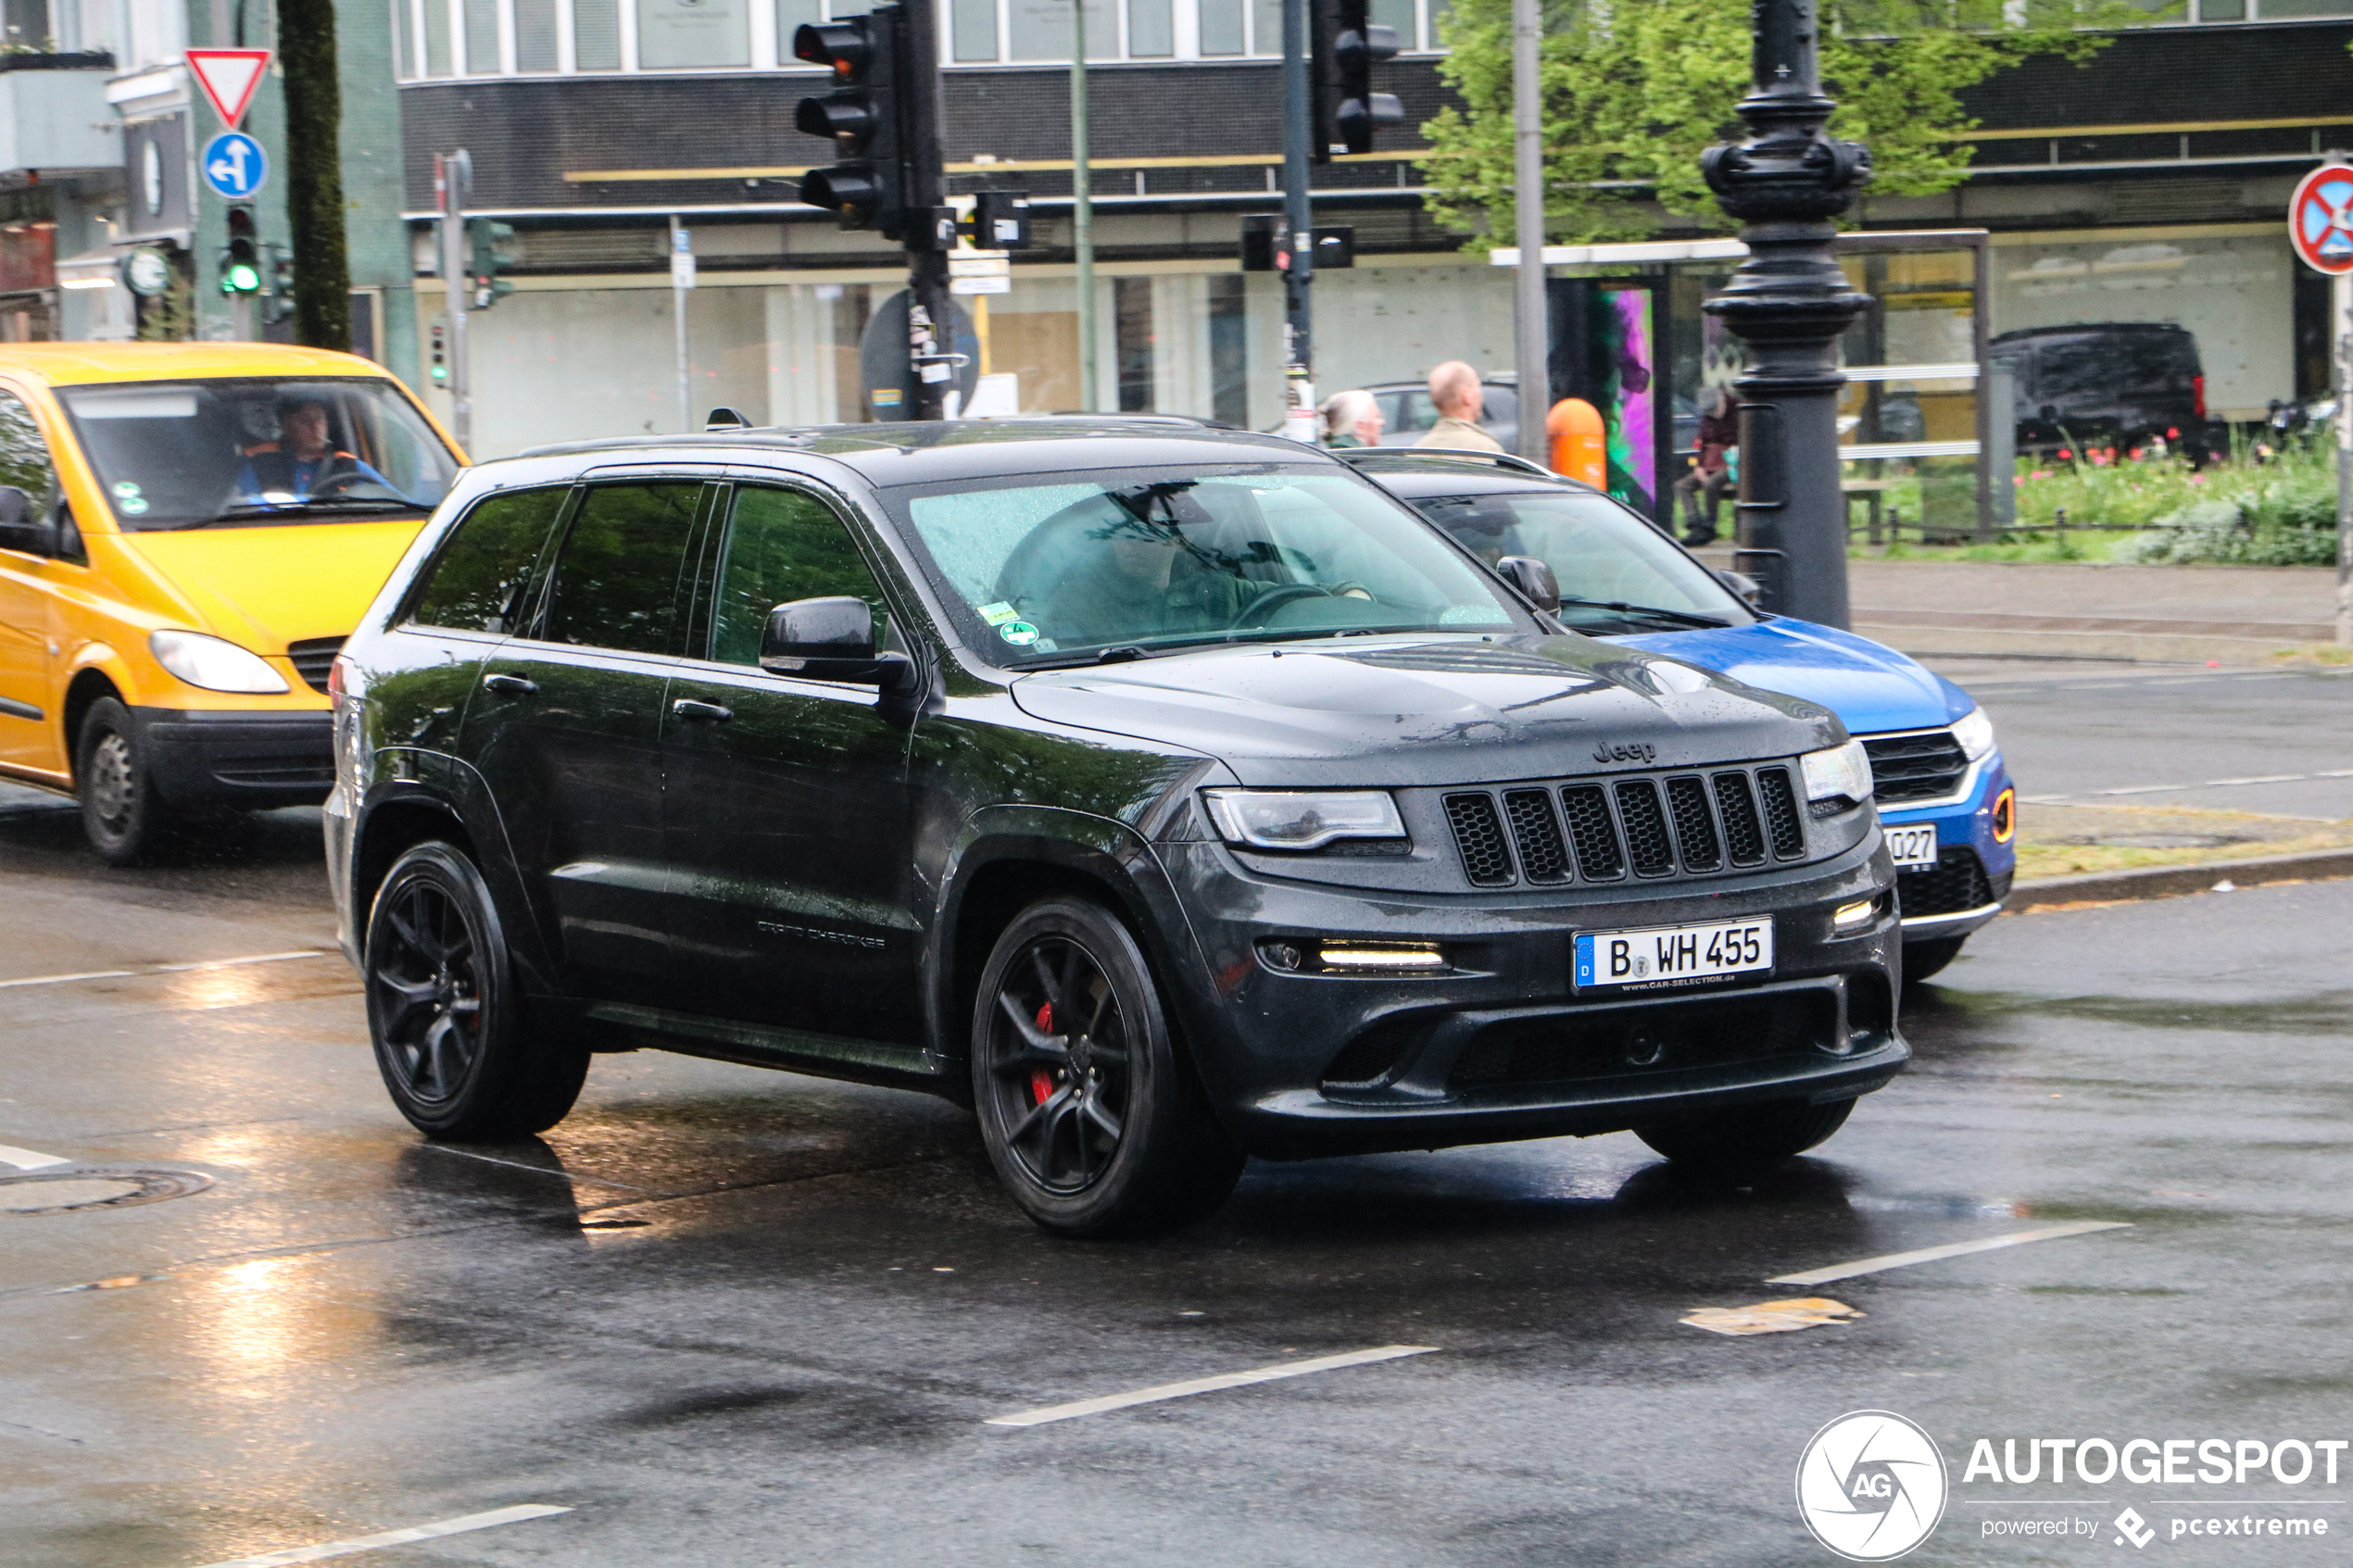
{"x": 21, "y": 525}
{"x": 829, "y": 639}
{"x": 1752, "y": 592}
{"x": 1533, "y": 578}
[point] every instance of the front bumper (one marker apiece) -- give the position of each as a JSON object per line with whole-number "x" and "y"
{"x": 1502, "y": 1046}
{"x": 1973, "y": 876}
{"x": 203, "y": 758}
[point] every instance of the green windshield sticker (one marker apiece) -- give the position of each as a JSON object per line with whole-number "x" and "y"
{"x": 1021, "y": 633}
{"x": 126, "y": 490}
{"x": 133, "y": 504}
{"x": 999, "y": 613}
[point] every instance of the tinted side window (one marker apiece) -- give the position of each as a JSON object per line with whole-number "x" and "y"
{"x": 24, "y": 456}
{"x": 617, "y": 580}
{"x": 478, "y": 581}
{"x": 781, "y": 545}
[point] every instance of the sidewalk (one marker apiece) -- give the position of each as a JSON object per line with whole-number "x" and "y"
{"x": 2242, "y": 615}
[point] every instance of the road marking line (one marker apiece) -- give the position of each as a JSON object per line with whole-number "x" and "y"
{"x": 29, "y": 1159}
{"x": 168, "y": 968}
{"x": 1207, "y": 1385}
{"x": 396, "y": 1537}
{"x": 1951, "y": 1250}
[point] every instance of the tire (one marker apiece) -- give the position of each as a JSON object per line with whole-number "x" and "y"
{"x": 454, "y": 1036}
{"x": 123, "y": 817}
{"x": 1102, "y": 1129}
{"x": 1752, "y": 1138}
{"x": 1922, "y": 959}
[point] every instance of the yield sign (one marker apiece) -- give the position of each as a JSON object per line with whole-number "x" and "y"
{"x": 228, "y": 77}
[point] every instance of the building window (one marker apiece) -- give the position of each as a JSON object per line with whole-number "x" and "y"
{"x": 1152, "y": 30}
{"x": 975, "y": 30}
{"x": 436, "y": 37}
{"x": 595, "y": 35}
{"x": 1132, "y": 335}
{"x": 535, "y": 50}
{"x": 1221, "y": 27}
{"x": 1266, "y": 24}
{"x": 686, "y": 35}
{"x": 1039, "y": 30}
{"x": 482, "y": 37}
{"x": 1229, "y": 348}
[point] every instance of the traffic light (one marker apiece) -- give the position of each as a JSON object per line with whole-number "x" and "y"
{"x": 491, "y": 247}
{"x": 1347, "y": 44}
{"x": 861, "y": 117}
{"x": 1001, "y": 220}
{"x": 277, "y": 285}
{"x": 440, "y": 355}
{"x": 241, "y": 257}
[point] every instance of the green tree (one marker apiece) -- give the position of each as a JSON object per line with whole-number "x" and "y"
{"x": 1635, "y": 89}
{"x": 314, "y": 175}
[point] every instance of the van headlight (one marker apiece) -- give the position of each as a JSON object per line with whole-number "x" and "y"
{"x": 1974, "y": 731}
{"x": 1841, "y": 771}
{"x": 214, "y": 664}
{"x": 1290, "y": 819}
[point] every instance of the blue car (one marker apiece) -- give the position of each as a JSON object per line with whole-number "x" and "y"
{"x": 1944, "y": 798}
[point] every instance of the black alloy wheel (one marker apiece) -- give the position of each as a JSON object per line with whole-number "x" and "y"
{"x": 1094, "y": 1120}
{"x": 452, "y": 1036}
{"x": 122, "y": 816}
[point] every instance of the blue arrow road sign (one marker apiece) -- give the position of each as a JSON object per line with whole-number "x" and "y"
{"x": 235, "y": 165}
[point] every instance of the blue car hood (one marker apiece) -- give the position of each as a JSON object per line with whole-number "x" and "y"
{"x": 1870, "y": 686}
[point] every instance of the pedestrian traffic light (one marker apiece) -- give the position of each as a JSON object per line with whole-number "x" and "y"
{"x": 1346, "y": 45}
{"x": 492, "y": 247}
{"x": 241, "y": 257}
{"x": 861, "y": 117}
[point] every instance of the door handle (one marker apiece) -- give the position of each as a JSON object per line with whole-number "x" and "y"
{"x": 508, "y": 685}
{"x": 709, "y": 712}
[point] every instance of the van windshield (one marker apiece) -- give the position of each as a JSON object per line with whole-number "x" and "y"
{"x": 257, "y": 450}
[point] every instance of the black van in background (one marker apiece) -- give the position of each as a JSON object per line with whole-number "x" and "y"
{"x": 2120, "y": 384}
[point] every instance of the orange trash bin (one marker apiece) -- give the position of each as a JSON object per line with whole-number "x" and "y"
{"x": 1578, "y": 443}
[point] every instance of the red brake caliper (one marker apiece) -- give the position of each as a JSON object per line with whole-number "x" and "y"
{"x": 1041, "y": 1083}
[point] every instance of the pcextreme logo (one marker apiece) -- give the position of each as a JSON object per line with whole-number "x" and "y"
{"x": 1871, "y": 1486}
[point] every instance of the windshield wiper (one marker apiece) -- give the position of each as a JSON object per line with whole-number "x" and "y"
{"x": 299, "y": 508}
{"x": 1658, "y": 612}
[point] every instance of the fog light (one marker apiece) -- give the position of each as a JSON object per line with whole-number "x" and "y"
{"x": 1846, "y": 917}
{"x": 1363, "y": 957}
{"x": 2005, "y": 816}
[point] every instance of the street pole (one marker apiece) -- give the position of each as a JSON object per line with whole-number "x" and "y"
{"x": 682, "y": 278}
{"x": 1528, "y": 155}
{"x": 1788, "y": 304}
{"x": 452, "y": 178}
{"x": 1082, "y": 204}
{"x": 931, "y": 222}
{"x": 2341, "y": 329}
{"x": 1299, "y": 230}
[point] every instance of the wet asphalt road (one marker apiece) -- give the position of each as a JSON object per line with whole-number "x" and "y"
{"x": 730, "y": 1317}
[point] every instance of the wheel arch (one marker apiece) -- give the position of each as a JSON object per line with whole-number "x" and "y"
{"x": 84, "y": 691}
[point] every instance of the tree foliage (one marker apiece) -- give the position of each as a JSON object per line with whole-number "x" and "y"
{"x": 1635, "y": 89}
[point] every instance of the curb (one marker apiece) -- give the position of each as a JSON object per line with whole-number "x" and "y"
{"x": 2170, "y": 881}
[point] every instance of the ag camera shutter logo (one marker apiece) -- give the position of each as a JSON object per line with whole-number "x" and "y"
{"x": 1871, "y": 1486}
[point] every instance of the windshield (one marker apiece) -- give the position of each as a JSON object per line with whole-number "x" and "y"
{"x": 1598, "y": 550}
{"x": 189, "y": 454}
{"x": 1157, "y": 558}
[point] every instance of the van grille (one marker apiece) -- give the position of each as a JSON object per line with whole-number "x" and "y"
{"x": 1685, "y": 825}
{"x": 312, "y": 657}
{"x": 1922, "y": 766}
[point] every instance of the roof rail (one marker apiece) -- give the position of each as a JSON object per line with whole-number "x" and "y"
{"x": 1501, "y": 459}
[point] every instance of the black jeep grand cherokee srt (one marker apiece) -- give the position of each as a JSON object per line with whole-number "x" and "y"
{"x": 1169, "y": 797}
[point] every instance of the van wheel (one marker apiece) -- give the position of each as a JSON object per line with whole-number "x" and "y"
{"x": 126, "y": 822}
{"x": 454, "y": 1038}
{"x": 1924, "y": 959}
{"x": 1091, "y": 1114}
{"x": 1752, "y": 1139}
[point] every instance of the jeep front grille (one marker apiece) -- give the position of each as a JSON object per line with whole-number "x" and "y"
{"x": 1674, "y": 825}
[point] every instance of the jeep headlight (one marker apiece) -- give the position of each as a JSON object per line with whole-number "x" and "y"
{"x": 213, "y": 663}
{"x": 1974, "y": 731}
{"x": 1286, "y": 819}
{"x": 1843, "y": 771}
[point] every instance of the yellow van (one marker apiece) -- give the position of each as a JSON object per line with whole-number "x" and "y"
{"x": 188, "y": 533}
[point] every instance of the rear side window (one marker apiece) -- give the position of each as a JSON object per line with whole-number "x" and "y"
{"x": 477, "y": 584}
{"x": 781, "y": 545}
{"x": 616, "y": 580}
{"x": 24, "y": 456}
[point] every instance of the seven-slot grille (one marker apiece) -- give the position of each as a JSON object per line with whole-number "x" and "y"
{"x": 1922, "y": 766}
{"x": 312, "y": 657}
{"x": 1679, "y": 825}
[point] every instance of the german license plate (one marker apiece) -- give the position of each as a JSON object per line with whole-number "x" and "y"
{"x": 1672, "y": 955}
{"x": 1913, "y": 849}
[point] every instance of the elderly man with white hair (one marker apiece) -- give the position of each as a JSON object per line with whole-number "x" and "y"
{"x": 1352, "y": 418}
{"x": 1455, "y": 393}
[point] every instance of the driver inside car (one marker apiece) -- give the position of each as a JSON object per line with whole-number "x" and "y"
{"x": 302, "y": 462}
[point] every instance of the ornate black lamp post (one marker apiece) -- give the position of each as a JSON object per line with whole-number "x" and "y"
{"x": 1788, "y": 304}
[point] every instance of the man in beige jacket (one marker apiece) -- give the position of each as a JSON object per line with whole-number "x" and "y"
{"x": 1454, "y": 392}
